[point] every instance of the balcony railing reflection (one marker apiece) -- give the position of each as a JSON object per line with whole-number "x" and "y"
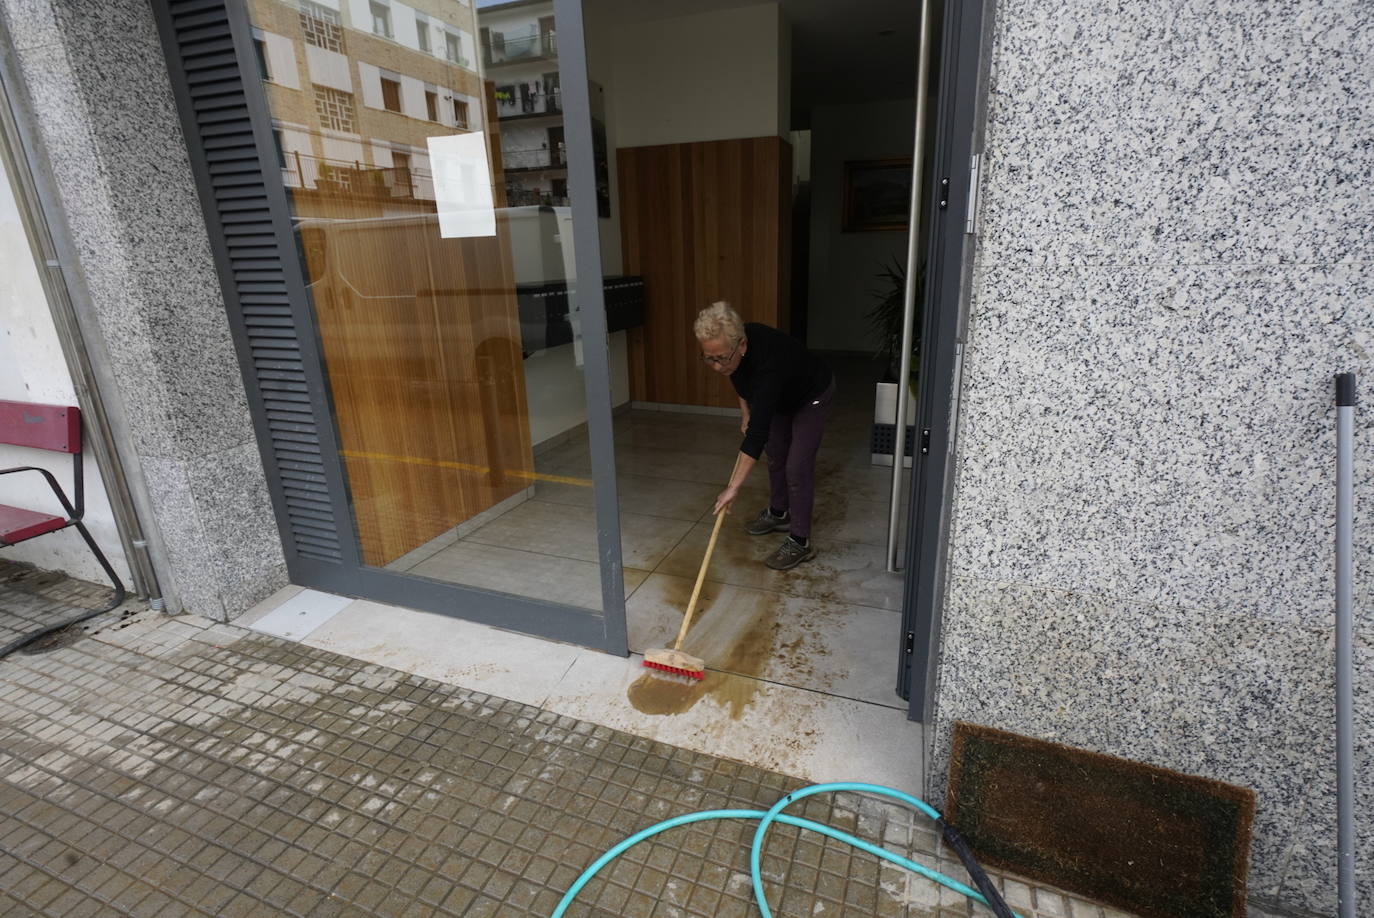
{"x": 512, "y": 102}
{"x": 532, "y": 197}
{"x": 542, "y": 158}
{"x": 318, "y": 173}
{"x": 543, "y": 45}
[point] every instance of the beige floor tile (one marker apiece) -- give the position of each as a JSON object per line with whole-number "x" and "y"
{"x": 451, "y": 650}
{"x": 570, "y": 532}
{"x": 678, "y": 500}
{"x": 708, "y": 468}
{"x": 863, "y": 521}
{"x": 852, "y": 481}
{"x": 684, "y": 432}
{"x": 522, "y": 573}
{"x": 806, "y": 734}
{"x": 301, "y": 614}
{"x": 573, "y": 451}
{"x": 843, "y": 572}
{"x": 812, "y": 644}
{"x": 268, "y": 605}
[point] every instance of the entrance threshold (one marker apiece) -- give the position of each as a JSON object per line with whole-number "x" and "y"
{"x": 803, "y": 733}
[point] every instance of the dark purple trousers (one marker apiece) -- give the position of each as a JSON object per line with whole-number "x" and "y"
{"x": 793, "y": 441}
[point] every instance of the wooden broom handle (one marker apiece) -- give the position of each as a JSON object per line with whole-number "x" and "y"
{"x": 701, "y": 574}
{"x": 701, "y": 577}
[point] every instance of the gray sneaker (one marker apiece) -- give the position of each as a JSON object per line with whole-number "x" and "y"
{"x": 790, "y": 553}
{"x": 766, "y": 522}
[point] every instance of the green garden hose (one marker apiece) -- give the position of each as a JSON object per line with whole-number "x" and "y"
{"x": 988, "y": 897}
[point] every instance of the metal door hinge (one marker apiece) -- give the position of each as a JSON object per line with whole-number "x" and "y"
{"x": 944, "y": 193}
{"x": 911, "y": 642}
{"x": 975, "y": 176}
{"x": 925, "y": 442}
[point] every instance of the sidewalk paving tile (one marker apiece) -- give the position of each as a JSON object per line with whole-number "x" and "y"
{"x": 162, "y": 766}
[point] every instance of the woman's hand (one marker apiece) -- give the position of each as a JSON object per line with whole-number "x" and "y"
{"x": 725, "y": 499}
{"x": 744, "y": 423}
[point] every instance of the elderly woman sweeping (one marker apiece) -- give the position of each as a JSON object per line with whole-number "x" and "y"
{"x": 784, "y": 395}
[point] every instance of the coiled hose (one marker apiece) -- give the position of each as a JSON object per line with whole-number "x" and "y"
{"x": 988, "y": 895}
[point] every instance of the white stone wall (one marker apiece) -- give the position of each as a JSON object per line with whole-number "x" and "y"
{"x": 1174, "y": 258}
{"x": 706, "y": 76}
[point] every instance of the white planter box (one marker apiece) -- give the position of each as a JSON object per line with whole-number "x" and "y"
{"x": 885, "y": 404}
{"x": 885, "y": 412}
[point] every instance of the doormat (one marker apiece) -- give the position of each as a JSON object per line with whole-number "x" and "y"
{"x": 1147, "y": 840}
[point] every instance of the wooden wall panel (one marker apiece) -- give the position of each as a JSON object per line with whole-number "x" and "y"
{"x": 421, "y": 340}
{"x": 702, "y": 222}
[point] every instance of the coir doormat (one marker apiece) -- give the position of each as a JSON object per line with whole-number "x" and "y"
{"x": 1148, "y": 840}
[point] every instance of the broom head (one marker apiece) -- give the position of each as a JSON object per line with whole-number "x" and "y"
{"x": 676, "y": 662}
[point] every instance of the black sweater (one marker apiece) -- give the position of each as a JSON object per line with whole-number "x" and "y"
{"x": 775, "y": 376}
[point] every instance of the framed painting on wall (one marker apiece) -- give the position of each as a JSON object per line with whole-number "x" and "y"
{"x": 877, "y": 195}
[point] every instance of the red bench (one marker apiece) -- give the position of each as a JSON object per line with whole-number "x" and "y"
{"x": 56, "y": 428}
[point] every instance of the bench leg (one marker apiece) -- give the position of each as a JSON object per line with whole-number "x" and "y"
{"x": 116, "y": 597}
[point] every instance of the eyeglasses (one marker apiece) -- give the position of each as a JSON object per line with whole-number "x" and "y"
{"x": 721, "y": 361}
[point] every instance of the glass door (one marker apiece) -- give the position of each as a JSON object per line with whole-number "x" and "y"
{"x": 422, "y": 150}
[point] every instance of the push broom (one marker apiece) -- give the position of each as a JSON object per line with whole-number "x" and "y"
{"x": 672, "y": 659}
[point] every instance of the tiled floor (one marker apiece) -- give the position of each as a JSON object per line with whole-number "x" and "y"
{"x": 670, "y": 466}
{"x": 800, "y": 725}
{"x": 160, "y": 767}
{"x": 801, "y": 664}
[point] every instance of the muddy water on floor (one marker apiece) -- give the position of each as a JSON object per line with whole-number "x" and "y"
{"x": 738, "y": 644}
{"x": 736, "y": 639}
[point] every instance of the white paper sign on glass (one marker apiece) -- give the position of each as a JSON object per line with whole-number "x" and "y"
{"x": 462, "y": 185}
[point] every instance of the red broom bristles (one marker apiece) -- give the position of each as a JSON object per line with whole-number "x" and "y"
{"x": 690, "y": 673}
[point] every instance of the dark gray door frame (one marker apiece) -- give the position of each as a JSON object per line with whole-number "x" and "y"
{"x": 224, "y": 114}
{"x": 587, "y": 293}
{"x": 949, "y": 256}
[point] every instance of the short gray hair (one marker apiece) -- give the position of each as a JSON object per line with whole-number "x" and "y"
{"x": 719, "y": 321}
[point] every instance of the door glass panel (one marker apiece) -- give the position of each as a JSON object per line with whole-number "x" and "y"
{"x": 421, "y": 147}
{"x": 733, "y": 176}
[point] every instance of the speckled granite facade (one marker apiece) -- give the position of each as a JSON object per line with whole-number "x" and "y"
{"x": 96, "y": 91}
{"x": 1175, "y": 256}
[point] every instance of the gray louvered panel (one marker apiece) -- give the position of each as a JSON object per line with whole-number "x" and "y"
{"x": 249, "y": 273}
{"x": 211, "y": 52}
{"x": 233, "y": 163}
{"x": 248, "y": 253}
{"x": 273, "y": 336}
{"x": 207, "y": 72}
{"x": 217, "y": 119}
{"x": 218, "y": 111}
{"x": 227, "y": 148}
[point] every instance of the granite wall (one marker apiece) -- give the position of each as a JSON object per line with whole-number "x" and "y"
{"x": 94, "y": 89}
{"x": 1174, "y": 257}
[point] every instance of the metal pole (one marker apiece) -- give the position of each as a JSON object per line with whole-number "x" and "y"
{"x": 909, "y": 308}
{"x": 1345, "y": 708}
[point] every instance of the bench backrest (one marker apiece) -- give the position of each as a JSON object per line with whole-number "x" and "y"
{"x": 54, "y": 427}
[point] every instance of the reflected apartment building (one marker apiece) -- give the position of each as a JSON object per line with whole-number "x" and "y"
{"x": 356, "y": 87}
{"x": 520, "y": 59}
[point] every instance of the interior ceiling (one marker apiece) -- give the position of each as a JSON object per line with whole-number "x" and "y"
{"x": 838, "y": 52}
